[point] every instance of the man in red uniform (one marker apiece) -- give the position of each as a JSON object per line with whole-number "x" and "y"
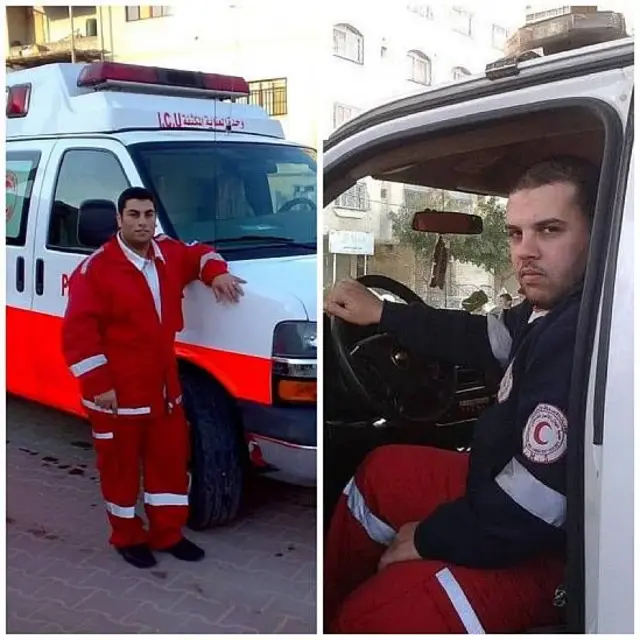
{"x": 431, "y": 541}
{"x": 125, "y": 307}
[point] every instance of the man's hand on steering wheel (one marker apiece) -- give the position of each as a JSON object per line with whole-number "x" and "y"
{"x": 354, "y": 303}
{"x": 396, "y": 383}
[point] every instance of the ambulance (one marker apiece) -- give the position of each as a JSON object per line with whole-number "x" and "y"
{"x": 223, "y": 174}
{"x": 565, "y": 87}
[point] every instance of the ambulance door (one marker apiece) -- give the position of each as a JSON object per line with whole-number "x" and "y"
{"x": 609, "y": 438}
{"x": 26, "y": 164}
{"x": 80, "y": 169}
{"x": 599, "y": 581}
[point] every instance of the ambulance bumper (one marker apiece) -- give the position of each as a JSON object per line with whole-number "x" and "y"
{"x": 282, "y": 441}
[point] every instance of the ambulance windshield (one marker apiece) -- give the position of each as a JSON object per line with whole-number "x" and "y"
{"x": 244, "y": 197}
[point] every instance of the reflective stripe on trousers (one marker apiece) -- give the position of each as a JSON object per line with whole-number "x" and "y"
{"x": 459, "y": 601}
{"x": 166, "y": 499}
{"x": 375, "y": 528}
{"x": 120, "y": 511}
{"x": 107, "y": 435}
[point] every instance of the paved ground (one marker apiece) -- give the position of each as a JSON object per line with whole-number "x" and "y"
{"x": 259, "y": 575}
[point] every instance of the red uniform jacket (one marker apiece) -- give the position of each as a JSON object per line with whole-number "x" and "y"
{"x": 112, "y": 337}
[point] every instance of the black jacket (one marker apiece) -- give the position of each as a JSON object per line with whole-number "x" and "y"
{"x": 515, "y": 505}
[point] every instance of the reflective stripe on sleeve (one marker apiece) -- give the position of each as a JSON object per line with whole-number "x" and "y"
{"x": 499, "y": 338}
{"x": 459, "y": 601}
{"x": 375, "y": 528}
{"x": 166, "y": 499}
{"x": 212, "y": 255}
{"x": 138, "y": 411}
{"x": 88, "y": 364}
{"x": 532, "y": 495}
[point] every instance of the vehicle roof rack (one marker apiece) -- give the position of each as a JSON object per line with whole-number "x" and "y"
{"x": 580, "y": 27}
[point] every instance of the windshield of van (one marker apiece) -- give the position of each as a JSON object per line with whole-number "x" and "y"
{"x": 251, "y": 199}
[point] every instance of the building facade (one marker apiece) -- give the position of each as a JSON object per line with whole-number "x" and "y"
{"x": 312, "y": 65}
{"x": 275, "y": 47}
{"x": 404, "y": 48}
{"x": 400, "y": 49}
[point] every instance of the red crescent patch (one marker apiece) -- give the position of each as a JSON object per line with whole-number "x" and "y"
{"x": 544, "y": 439}
{"x": 539, "y": 431}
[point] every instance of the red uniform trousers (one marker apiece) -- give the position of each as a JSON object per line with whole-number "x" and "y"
{"x": 399, "y": 484}
{"x": 161, "y": 447}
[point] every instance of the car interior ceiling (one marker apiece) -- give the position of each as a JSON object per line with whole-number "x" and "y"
{"x": 483, "y": 159}
{"x": 487, "y": 158}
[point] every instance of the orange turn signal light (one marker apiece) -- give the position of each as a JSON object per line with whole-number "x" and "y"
{"x": 298, "y": 391}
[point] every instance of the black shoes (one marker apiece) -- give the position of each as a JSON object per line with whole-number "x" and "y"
{"x": 185, "y": 550}
{"x": 138, "y": 555}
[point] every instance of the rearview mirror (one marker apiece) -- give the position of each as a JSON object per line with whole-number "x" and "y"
{"x": 97, "y": 222}
{"x": 442, "y": 222}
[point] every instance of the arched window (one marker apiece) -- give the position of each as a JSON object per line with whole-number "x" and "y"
{"x": 418, "y": 67}
{"x": 348, "y": 43}
{"x": 459, "y": 73}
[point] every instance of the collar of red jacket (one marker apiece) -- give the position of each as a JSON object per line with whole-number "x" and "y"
{"x": 117, "y": 249}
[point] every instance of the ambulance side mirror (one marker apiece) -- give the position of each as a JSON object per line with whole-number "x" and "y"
{"x": 97, "y": 222}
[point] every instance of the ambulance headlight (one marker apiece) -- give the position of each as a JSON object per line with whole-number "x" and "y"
{"x": 295, "y": 367}
{"x": 295, "y": 339}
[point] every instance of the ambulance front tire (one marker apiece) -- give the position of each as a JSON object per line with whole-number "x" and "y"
{"x": 218, "y": 458}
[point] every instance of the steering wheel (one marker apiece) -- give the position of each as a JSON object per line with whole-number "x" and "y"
{"x": 396, "y": 383}
{"x": 294, "y": 202}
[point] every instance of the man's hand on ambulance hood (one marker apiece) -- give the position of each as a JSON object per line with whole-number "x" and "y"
{"x": 227, "y": 287}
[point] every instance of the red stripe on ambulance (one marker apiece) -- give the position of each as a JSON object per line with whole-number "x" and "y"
{"x": 36, "y": 369}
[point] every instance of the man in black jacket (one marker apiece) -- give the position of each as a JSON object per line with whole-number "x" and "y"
{"x": 473, "y": 544}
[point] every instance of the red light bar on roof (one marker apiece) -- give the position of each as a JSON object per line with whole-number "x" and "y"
{"x": 18, "y": 100}
{"x": 103, "y": 75}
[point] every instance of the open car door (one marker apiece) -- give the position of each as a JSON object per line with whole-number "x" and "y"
{"x": 477, "y": 136}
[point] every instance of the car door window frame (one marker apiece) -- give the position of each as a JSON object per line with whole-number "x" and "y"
{"x": 597, "y": 298}
{"x": 76, "y": 249}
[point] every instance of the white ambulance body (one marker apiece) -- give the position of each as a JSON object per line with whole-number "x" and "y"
{"x": 222, "y": 174}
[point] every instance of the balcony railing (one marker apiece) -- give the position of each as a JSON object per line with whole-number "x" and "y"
{"x": 271, "y": 95}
